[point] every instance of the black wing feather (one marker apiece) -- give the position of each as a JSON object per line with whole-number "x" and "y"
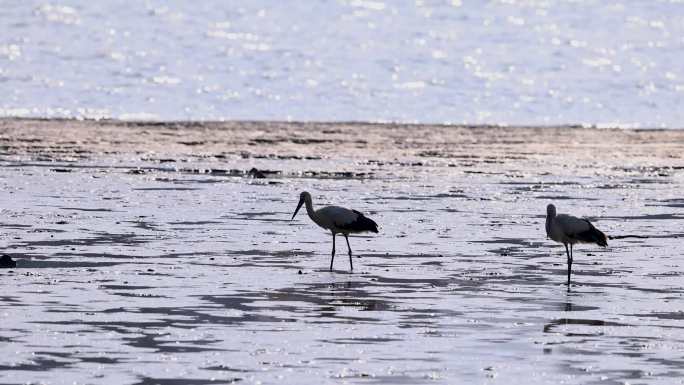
{"x": 593, "y": 235}
{"x": 361, "y": 223}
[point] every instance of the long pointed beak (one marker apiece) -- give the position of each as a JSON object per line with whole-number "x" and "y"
{"x": 299, "y": 206}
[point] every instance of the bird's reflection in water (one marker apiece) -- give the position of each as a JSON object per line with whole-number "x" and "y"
{"x": 350, "y": 294}
{"x": 568, "y": 306}
{"x": 565, "y": 320}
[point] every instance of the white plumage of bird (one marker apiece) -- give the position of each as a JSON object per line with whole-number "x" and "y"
{"x": 338, "y": 220}
{"x": 569, "y": 230}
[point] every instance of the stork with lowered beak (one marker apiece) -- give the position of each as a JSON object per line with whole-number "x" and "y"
{"x": 338, "y": 220}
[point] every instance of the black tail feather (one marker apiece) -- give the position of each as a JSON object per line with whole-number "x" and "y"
{"x": 367, "y": 224}
{"x": 593, "y": 235}
{"x": 361, "y": 224}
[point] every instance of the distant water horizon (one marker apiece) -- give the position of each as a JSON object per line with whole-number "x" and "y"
{"x": 514, "y": 63}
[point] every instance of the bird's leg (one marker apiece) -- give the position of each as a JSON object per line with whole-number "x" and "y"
{"x": 572, "y": 254}
{"x": 332, "y": 257}
{"x": 567, "y": 252}
{"x": 351, "y": 266}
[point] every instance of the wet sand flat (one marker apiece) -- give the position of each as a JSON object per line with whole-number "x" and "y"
{"x": 163, "y": 253}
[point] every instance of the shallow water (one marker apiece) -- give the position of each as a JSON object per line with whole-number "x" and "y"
{"x": 497, "y": 62}
{"x": 142, "y": 267}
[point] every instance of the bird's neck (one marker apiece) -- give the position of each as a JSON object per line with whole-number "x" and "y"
{"x": 309, "y": 209}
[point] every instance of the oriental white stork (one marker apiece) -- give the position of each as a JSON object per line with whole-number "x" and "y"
{"x": 569, "y": 230}
{"x": 338, "y": 220}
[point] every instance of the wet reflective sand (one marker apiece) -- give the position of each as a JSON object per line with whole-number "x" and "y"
{"x": 164, "y": 254}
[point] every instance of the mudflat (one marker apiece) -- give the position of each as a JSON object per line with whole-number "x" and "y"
{"x": 163, "y": 253}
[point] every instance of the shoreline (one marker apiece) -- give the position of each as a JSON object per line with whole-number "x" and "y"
{"x": 483, "y": 148}
{"x": 230, "y": 122}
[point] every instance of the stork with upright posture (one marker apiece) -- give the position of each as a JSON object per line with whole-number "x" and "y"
{"x": 569, "y": 230}
{"x": 338, "y": 220}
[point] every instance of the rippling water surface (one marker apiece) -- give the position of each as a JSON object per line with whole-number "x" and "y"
{"x": 515, "y": 62}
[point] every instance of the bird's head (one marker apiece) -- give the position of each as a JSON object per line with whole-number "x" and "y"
{"x": 303, "y": 197}
{"x": 551, "y": 210}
